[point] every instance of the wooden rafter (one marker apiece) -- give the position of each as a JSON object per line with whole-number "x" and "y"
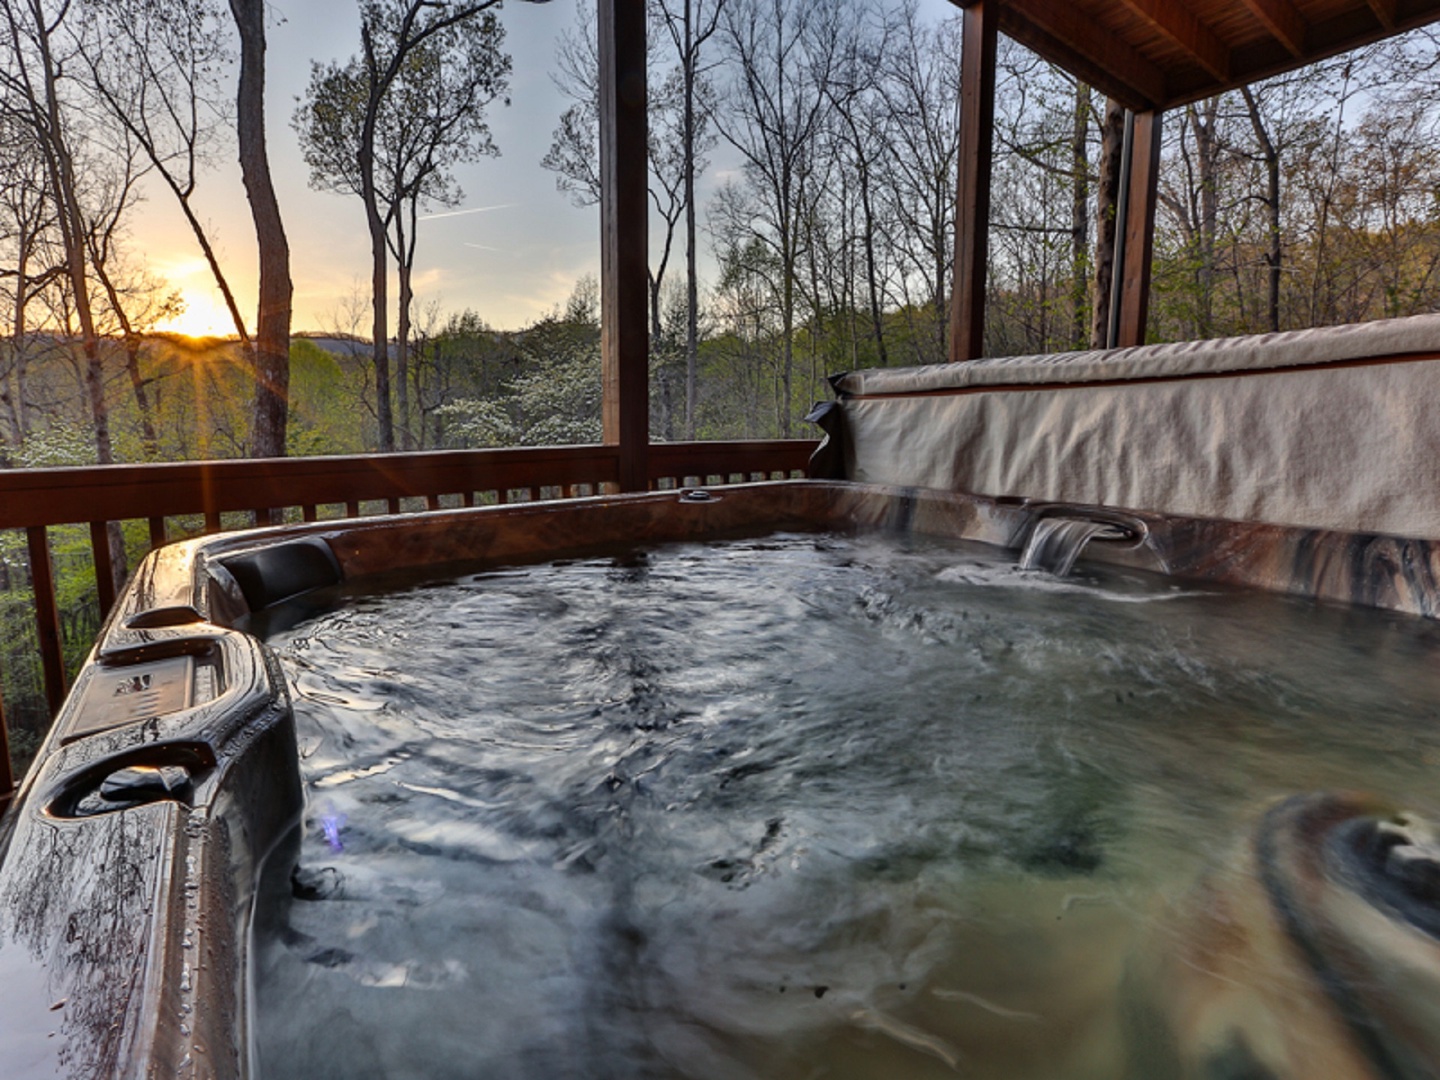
{"x": 1182, "y": 28}
{"x": 1058, "y": 52}
{"x": 1163, "y": 53}
{"x": 1065, "y": 22}
{"x": 1283, "y": 21}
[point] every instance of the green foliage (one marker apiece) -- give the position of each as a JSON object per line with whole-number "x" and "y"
{"x": 318, "y": 385}
{"x": 551, "y": 393}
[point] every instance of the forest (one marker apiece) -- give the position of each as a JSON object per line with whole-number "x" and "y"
{"x": 802, "y": 181}
{"x": 802, "y": 172}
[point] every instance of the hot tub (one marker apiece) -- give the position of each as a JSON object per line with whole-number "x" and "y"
{"x": 166, "y": 869}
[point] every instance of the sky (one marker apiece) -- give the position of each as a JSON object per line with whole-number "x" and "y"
{"x": 511, "y": 251}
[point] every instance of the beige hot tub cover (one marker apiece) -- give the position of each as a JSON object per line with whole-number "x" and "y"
{"x": 1335, "y": 428}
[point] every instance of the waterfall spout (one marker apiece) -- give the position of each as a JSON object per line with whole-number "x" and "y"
{"x": 1056, "y": 542}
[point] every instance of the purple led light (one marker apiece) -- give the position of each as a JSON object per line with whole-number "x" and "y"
{"x": 330, "y": 825}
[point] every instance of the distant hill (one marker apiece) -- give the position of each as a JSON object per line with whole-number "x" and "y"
{"x": 339, "y": 344}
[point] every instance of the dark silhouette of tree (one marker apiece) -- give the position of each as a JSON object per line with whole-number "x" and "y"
{"x": 32, "y": 95}
{"x": 271, "y": 346}
{"x": 155, "y": 71}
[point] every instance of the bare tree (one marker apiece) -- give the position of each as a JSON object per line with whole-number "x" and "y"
{"x": 154, "y": 71}
{"x": 388, "y": 126}
{"x": 784, "y": 58}
{"x": 574, "y": 151}
{"x": 129, "y": 301}
{"x": 919, "y": 91}
{"x": 856, "y": 100}
{"x": 691, "y": 24}
{"x": 32, "y": 95}
{"x": 359, "y": 127}
{"x": 26, "y": 228}
{"x": 1107, "y": 198}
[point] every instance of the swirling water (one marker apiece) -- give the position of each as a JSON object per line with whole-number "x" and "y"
{"x": 795, "y": 807}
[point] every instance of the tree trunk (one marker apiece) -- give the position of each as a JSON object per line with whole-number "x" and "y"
{"x": 1079, "y": 215}
{"x": 1107, "y": 195}
{"x": 692, "y": 288}
{"x": 1272, "y": 208}
{"x": 1207, "y": 150}
{"x": 402, "y": 358}
{"x": 788, "y": 334}
{"x": 15, "y": 393}
{"x": 149, "y": 439}
{"x": 872, "y": 274}
{"x": 271, "y": 347}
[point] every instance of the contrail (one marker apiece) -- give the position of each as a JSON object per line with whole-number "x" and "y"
{"x": 472, "y": 210}
{"x": 482, "y": 247}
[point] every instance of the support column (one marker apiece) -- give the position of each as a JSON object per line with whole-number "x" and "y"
{"x": 1139, "y": 224}
{"x": 972, "y": 200}
{"x": 624, "y": 239}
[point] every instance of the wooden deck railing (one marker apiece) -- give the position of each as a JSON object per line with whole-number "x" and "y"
{"x": 237, "y": 494}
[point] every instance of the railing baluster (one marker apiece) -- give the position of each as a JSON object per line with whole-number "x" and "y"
{"x": 352, "y": 508}
{"x": 393, "y": 504}
{"x": 157, "y": 532}
{"x": 212, "y": 521}
{"x": 432, "y": 502}
{"x": 47, "y": 616}
{"x": 104, "y": 567}
{"x": 310, "y": 512}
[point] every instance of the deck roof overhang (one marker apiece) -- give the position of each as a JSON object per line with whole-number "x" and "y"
{"x": 1157, "y": 54}
{"x": 1149, "y": 56}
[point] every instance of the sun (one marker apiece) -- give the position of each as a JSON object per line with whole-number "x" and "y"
{"x": 203, "y": 316}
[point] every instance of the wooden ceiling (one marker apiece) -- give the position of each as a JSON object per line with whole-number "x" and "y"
{"x": 1154, "y": 54}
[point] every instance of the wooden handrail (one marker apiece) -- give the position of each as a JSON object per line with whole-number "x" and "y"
{"x": 259, "y": 489}
{"x": 76, "y": 495}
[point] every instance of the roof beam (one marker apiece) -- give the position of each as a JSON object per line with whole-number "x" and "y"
{"x": 1384, "y": 11}
{"x": 1182, "y": 28}
{"x": 1283, "y": 22}
{"x": 1102, "y": 48}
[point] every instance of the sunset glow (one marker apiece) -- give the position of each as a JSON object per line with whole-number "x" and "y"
{"x": 204, "y": 316}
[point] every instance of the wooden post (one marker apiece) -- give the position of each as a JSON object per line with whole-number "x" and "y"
{"x": 624, "y": 238}
{"x": 972, "y": 200}
{"x": 47, "y": 616}
{"x": 1139, "y": 225}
